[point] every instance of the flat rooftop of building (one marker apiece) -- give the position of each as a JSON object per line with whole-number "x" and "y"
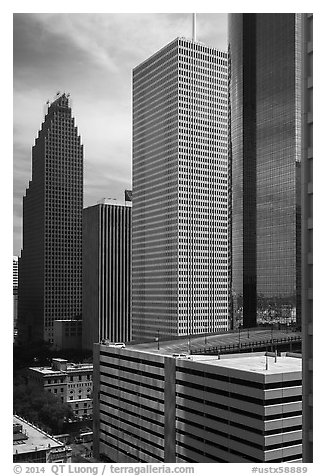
{"x": 254, "y": 362}
{"x": 36, "y": 438}
{"x": 196, "y": 344}
{"x": 257, "y": 362}
{"x": 115, "y": 202}
{"x": 186, "y": 348}
{"x": 70, "y": 368}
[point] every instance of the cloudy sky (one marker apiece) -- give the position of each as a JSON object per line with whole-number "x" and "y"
{"x": 91, "y": 56}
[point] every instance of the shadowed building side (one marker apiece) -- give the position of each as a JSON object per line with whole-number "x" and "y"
{"x": 106, "y": 272}
{"x": 50, "y": 264}
{"x": 307, "y": 236}
{"x": 265, "y": 69}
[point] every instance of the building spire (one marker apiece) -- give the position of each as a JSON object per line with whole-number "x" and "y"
{"x": 194, "y": 27}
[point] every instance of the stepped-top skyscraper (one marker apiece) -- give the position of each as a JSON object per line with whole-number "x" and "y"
{"x": 265, "y": 89}
{"x": 51, "y": 263}
{"x": 180, "y": 267}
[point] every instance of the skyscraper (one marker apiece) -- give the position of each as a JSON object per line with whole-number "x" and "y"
{"x": 50, "y": 265}
{"x": 106, "y": 273}
{"x": 265, "y": 90}
{"x": 307, "y": 237}
{"x": 15, "y": 261}
{"x": 15, "y": 264}
{"x": 180, "y": 267}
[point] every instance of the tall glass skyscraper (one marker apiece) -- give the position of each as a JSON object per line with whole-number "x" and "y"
{"x": 180, "y": 262}
{"x": 50, "y": 268}
{"x": 265, "y": 65}
{"x": 307, "y": 237}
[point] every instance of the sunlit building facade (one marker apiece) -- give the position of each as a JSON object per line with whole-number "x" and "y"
{"x": 180, "y": 264}
{"x": 154, "y": 406}
{"x": 71, "y": 383}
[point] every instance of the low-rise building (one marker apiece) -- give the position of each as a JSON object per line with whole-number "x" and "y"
{"x": 152, "y": 405}
{"x": 33, "y": 445}
{"x": 71, "y": 382}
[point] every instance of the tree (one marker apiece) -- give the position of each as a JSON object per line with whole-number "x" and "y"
{"x": 40, "y": 407}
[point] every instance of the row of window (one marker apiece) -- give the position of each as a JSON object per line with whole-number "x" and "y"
{"x": 71, "y": 379}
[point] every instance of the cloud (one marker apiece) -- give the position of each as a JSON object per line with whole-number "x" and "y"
{"x": 107, "y": 184}
{"x": 92, "y": 57}
{"x": 86, "y": 32}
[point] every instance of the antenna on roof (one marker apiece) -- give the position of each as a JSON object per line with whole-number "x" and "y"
{"x": 194, "y": 27}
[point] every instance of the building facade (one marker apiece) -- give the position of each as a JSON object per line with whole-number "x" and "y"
{"x": 106, "y": 273}
{"x": 33, "y": 445}
{"x": 67, "y": 334}
{"x": 15, "y": 272}
{"x": 50, "y": 265}
{"x": 72, "y": 383}
{"x": 307, "y": 236}
{"x": 265, "y": 119}
{"x": 180, "y": 267}
{"x": 15, "y": 262}
{"x": 155, "y": 406}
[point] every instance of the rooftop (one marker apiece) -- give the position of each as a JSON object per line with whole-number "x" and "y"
{"x": 71, "y": 367}
{"x": 213, "y": 342}
{"x": 114, "y": 201}
{"x": 193, "y": 348}
{"x": 192, "y": 43}
{"x": 254, "y": 362}
{"x": 36, "y": 438}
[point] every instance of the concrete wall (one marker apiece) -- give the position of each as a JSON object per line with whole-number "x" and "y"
{"x": 156, "y": 408}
